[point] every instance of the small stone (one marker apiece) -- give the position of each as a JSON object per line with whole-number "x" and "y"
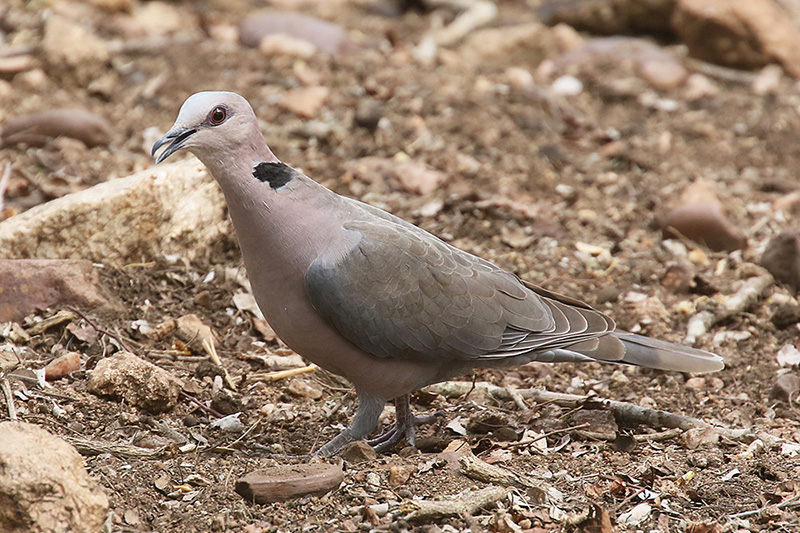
{"x": 663, "y": 75}
{"x": 782, "y": 257}
{"x": 786, "y": 315}
{"x": 44, "y": 485}
{"x": 696, "y": 383}
{"x": 786, "y": 387}
{"x": 699, "y": 87}
{"x": 138, "y": 382}
{"x": 368, "y": 115}
{"x": 567, "y": 86}
{"x": 61, "y": 366}
{"x": 285, "y": 45}
{"x": 697, "y": 437}
{"x": 325, "y": 36}
{"x": 281, "y": 483}
{"x": 398, "y": 173}
{"x": 358, "y": 452}
{"x": 678, "y": 278}
{"x": 161, "y": 18}
{"x": 399, "y": 474}
{"x": 305, "y": 388}
{"x": 305, "y": 101}
{"x": 768, "y": 80}
{"x": 705, "y": 223}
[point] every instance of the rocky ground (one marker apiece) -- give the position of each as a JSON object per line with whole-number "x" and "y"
{"x": 510, "y": 129}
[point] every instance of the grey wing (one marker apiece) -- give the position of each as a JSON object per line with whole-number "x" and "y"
{"x": 399, "y": 292}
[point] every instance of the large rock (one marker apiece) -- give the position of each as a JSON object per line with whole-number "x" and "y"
{"x": 44, "y": 486}
{"x": 138, "y": 382}
{"x": 745, "y": 34}
{"x": 27, "y": 285}
{"x": 162, "y": 210}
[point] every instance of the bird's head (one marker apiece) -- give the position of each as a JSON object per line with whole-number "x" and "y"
{"x": 210, "y": 123}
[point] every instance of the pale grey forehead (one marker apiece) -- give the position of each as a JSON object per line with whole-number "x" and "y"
{"x": 196, "y": 107}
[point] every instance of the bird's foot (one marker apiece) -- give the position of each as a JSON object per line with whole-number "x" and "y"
{"x": 404, "y": 429}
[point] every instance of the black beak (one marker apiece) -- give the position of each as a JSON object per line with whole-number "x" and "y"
{"x": 177, "y": 137}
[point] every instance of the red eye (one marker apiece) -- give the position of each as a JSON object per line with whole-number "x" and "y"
{"x": 218, "y": 115}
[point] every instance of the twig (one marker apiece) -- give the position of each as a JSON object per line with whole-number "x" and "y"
{"x": 125, "y": 346}
{"x": 747, "y": 295}
{"x": 720, "y": 72}
{"x": 12, "y": 410}
{"x": 656, "y": 437}
{"x": 4, "y": 183}
{"x": 475, "y": 468}
{"x": 89, "y": 447}
{"x": 211, "y": 350}
{"x": 623, "y": 411}
{"x": 201, "y": 405}
{"x": 467, "y": 505}
{"x": 788, "y": 504}
{"x": 518, "y": 400}
{"x": 282, "y": 374}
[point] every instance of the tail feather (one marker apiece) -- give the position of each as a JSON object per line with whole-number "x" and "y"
{"x": 654, "y": 353}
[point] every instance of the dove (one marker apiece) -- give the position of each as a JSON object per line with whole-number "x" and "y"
{"x": 378, "y": 300}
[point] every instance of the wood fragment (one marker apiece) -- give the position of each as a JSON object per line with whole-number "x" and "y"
{"x": 475, "y": 468}
{"x": 466, "y": 505}
{"x": 747, "y": 295}
{"x": 657, "y": 437}
{"x": 55, "y": 320}
{"x": 281, "y": 483}
{"x": 93, "y": 447}
{"x": 12, "y": 410}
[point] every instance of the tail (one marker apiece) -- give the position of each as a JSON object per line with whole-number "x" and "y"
{"x": 653, "y": 353}
{"x": 629, "y": 348}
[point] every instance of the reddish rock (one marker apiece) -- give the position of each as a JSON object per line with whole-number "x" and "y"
{"x": 326, "y": 36}
{"x": 62, "y": 366}
{"x": 30, "y": 284}
{"x": 705, "y": 223}
{"x": 36, "y": 129}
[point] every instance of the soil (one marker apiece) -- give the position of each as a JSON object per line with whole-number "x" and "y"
{"x": 530, "y": 179}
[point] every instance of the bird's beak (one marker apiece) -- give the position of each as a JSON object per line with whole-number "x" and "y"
{"x": 176, "y": 137}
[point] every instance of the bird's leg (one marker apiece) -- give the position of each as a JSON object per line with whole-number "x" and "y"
{"x": 365, "y": 420}
{"x": 404, "y": 427}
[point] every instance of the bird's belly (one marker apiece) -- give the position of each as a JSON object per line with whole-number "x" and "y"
{"x": 298, "y": 324}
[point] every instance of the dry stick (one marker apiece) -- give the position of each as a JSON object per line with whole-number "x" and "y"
{"x": 746, "y": 296}
{"x": 102, "y": 330}
{"x": 12, "y": 410}
{"x": 282, "y": 374}
{"x": 90, "y": 447}
{"x": 466, "y": 505}
{"x": 788, "y": 504}
{"x": 3, "y": 184}
{"x": 624, "y": 411}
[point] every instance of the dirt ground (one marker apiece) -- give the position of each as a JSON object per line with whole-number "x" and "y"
{"x": 531, "y": 177}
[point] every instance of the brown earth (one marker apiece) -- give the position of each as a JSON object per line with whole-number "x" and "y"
{"x": 507, "y": 153}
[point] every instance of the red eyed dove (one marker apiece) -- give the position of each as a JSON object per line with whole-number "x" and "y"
{"x": 375, "y": 299}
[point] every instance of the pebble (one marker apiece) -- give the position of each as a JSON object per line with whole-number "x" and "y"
{"x": 782, "y": 257}
{"x": 305, "y": 388}
{"x": 136, "y": 381}
{"x": 785, "y": 387}
{"x": 368, "y": 114}
{"x": 705, "y": 223}
{"x": 358, "y": 452}
{"x": 305, "y": 102}
{"x": 62, "y": 365}
{"x": 567, "y": 86}
{"x": 192, "y": 330}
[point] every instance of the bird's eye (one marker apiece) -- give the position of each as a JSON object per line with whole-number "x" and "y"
{"x": 218, "y": 115}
